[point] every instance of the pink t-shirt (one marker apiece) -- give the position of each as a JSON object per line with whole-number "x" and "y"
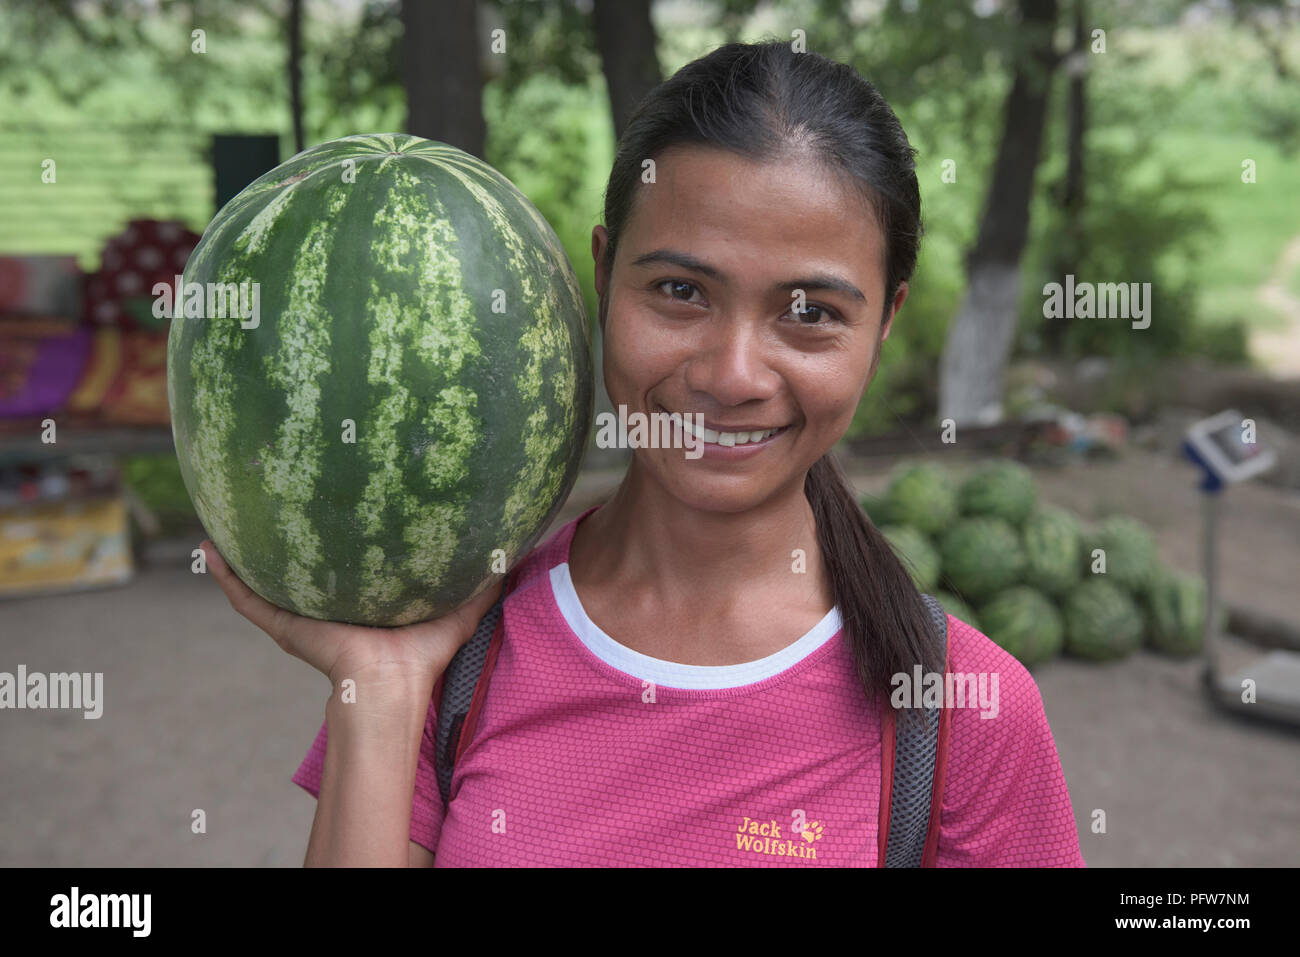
{"x": 589, "y": 754}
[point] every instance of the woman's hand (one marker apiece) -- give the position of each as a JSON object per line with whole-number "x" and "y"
{"x": 405, "y": 659}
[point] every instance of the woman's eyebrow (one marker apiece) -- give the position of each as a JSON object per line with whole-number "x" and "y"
{"x": 682, "y": 260}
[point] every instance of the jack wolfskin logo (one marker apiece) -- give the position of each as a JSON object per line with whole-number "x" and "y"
{"x": 764, "y": 837}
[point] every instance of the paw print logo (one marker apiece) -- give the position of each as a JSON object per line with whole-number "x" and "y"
{"x": 812, "y": 831}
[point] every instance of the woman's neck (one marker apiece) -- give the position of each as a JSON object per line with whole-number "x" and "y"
{"x": 665, "y": 554}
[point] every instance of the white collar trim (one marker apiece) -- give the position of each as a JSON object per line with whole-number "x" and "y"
{"x": 672, "y": 674}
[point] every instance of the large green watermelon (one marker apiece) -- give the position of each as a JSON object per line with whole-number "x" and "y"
{"x": 1131, "y": 555}
{"x": 921, "y": 495}
{"x": 980, "y": 556}
{"x": 1051, "y": 540}
{"x": 1025, "y": 623}
{"x": 1101, "y": 621}
{"x": 415, "y": 396}
{"x": 1002, "y": 489}
{"x": 1176, "y": 613}
{"x": 918, "y": 556}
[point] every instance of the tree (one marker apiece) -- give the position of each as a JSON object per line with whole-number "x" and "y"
{"x": 973, "y": 367}
{"x": 295, "y": 73}
{"x": 625, "y": 37}
{"x": 1071, "y": 192}
{"x": 441, "y": 72}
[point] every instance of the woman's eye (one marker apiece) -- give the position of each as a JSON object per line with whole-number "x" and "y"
{"x": 817, "y": 314}
{"x": 675, "y": 286}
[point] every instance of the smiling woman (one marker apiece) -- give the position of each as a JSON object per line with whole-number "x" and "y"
{"x": 698, "y": 671}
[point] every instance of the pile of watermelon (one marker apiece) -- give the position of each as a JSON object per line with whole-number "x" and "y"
{"x": 1033, "y": 577}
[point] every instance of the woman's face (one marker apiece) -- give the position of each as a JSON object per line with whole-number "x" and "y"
{"x": 699, "y": 316}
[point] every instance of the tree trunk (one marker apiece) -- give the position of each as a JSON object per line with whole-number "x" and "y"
{"x": 440, "y": 68}
{"x": 295, "y": 73}
{"x": 1070, "y": 249}
{"x": 625, "y": 37}
{"x": 973, "y": 368}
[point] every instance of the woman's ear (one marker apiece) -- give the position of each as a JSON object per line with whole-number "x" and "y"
{"x": 899, "y": 298}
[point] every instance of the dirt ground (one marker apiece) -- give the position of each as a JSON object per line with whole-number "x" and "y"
{"x": 202, "y": 711}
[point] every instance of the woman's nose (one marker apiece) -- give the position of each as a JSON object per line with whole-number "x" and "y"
{"x": 732, "y": 364}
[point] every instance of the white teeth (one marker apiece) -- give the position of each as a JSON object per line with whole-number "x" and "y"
{"x": 728, "y": 439}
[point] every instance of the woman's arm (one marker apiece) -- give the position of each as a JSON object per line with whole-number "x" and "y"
{"x": 372, "y": 747}
{"x": 363, "y": 812}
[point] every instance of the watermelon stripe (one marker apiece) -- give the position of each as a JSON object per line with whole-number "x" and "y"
{"x": 297, "y": 368}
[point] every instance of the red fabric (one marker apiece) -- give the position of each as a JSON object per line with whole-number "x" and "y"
{"x": 888, "y": 740}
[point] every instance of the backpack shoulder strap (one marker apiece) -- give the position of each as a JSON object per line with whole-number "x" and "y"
{"x": 463, "y": 687}
{"x": 914, "y": 757}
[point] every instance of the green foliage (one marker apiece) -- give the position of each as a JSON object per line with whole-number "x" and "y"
{"x": 552, "y": 38}
{"x": 356, "y": 69}
{"x": 1169, "y": 122}
{"x": 1171, "y": 113}
{"x": 555, "y": 143}
{"x": 1129, "y": 229}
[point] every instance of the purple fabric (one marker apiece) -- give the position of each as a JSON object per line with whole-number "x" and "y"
{"x": 37, "y": 375}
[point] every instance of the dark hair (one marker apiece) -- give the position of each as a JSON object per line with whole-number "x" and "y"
{"x": 762, "y": 101}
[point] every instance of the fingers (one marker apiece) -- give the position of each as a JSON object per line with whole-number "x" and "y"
{"x": 270, "y": 618}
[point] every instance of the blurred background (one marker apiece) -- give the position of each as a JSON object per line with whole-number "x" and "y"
{"x": 1111, "y": 141}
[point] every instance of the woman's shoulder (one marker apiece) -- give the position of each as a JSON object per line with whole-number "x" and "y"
{"x": 977, "y": 661}
{"x": 1005, "y": 803}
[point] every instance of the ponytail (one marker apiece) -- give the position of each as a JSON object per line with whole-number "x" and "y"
{"x": 884, "y": 619}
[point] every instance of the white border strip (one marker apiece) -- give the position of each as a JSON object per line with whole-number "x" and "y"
{"x": 672, "y": 674}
